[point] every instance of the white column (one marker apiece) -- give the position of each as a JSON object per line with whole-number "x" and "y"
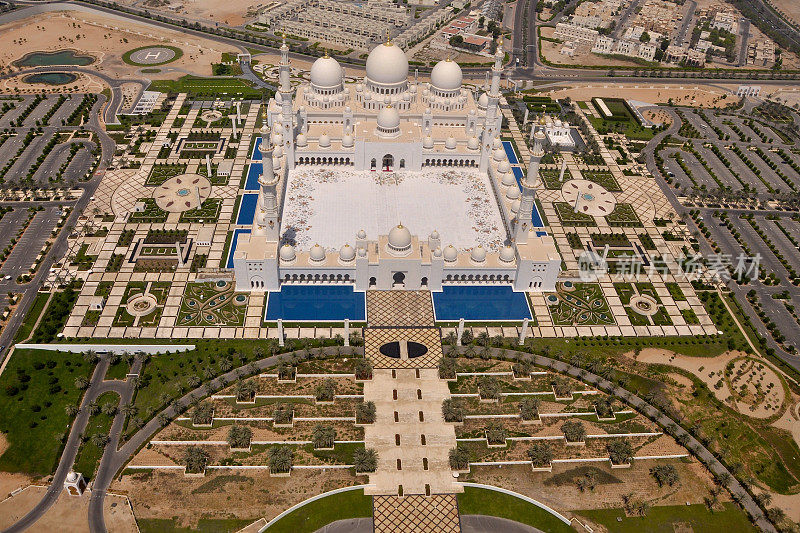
{"x": 460, "y": 331}
{"x": 208, "y": 165}
{"x": 180, "y": 253}
{"x": 524, "y": 332}
{"x": 347, "y": 332}
{"x": 563, "y": 169}
{"x": 280, "y": 332}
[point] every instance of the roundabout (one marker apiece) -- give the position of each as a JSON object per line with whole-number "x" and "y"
{"x": 644, "y": 305}
{"x": 211, "y": 115}
{"x": 182, "y": 193}
{"x": 141, "y": 304}
{"x": 152, "y": 55}
{"x": 588, "y": 197}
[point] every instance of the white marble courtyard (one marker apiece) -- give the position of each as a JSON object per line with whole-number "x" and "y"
{"x": 328, "y": 207}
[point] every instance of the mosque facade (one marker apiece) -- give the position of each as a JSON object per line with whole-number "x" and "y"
{"x": 392, "y": 125}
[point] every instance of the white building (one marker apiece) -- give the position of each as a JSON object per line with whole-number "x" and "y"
{"x": 572, "y": 32}
{"x": 392, "y": 183}
{"x": 604, "y": 45}
{"x": 558, "y": 134}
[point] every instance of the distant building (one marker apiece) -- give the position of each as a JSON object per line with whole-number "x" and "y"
{"x": 725, "y": 20}
{"x": 571, "y": 32}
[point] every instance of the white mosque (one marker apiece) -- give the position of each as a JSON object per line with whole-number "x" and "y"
{"x": 392, "y": 183}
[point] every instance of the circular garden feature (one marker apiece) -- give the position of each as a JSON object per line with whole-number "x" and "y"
{"x": 392, "y": 349}
{"x": 152, "y": 55}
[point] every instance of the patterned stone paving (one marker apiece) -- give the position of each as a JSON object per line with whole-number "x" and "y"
{"x": 399, "y": 309}
{"x": 417, "y": 514}
{"x": 430, "y": 337}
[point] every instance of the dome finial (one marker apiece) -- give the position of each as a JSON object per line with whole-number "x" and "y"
{"x": 326, "y": 56}
{"x": 388, "y": 40}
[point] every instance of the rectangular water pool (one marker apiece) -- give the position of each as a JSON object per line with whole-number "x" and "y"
{"x": 256, "y": 152}
{"x": 510, "y": 153}
{"x": 247, "y": 209}
{"x": 536, "y": 218}
{"x": 479, "y": 303}
{"x": 252, "y": 176}
{"x": 316, "y": 303}
{"x": 234, "y": 241}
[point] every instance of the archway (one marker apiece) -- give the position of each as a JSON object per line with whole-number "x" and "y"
{"x": 372, "y": 164}
{"x": 398, "y": 279}
{"x": 387, "y": 163}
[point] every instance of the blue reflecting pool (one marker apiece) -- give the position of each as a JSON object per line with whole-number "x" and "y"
{"x": 234, "y": 241}
{"x": 316, "y": 303}
{"x": 510, "y": 153}
{"x": 480, "y": 303}
{"x": 247, "y": 209}
{"x": 252, "y": 176}
{"x": 256, "y": 151}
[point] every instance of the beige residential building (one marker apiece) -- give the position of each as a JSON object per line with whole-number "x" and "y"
{"x": 571, "y": 32}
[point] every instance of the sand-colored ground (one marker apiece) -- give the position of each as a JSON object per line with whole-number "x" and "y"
{"x": 712, "y": 371}
{"x": 69, "y": 513}
{"x": 789, "y": 8}
{"x": 790, "y": 421}
{"x": 10, "y": 482}
{"x": 657, "y": 116}
{"x": 107, "y": 40}
{"x": 689, "y": 94}
{"x": 84, "y": 83}
{"x": 785, "y": 95}
{"x": 232, "y": 12}
{"x": 224, "y": 494}
{"x": 583, "y": 55}
{"x": 559, "y": 490}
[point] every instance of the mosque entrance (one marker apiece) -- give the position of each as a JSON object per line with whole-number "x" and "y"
{"x": 388, "y": 163}
{"x": 399, "y": 280}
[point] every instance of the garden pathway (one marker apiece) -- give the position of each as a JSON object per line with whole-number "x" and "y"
{"x": 413, "y": 487}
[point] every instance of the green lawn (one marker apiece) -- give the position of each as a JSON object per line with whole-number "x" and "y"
{"x": 667, "y": 519}
{"x": 491, "y": 503}
{"x": 89, "y": 455}
{"x": 204, "y": 525}
{"x": 198, "y": 86}
{"x": 311, "y": 517}
{"x": 36, "y": 309}
{"x": 35, "y": 388}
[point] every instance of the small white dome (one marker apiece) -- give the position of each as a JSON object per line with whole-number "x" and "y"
{"x": 427, "y": 143}
{"x": 367, "y": 96}
{"x": 512, "y": 193}
{"x": 324, "y": 141}
{"x": 509, "y": 179}
{"x": 504, "y": 166}
{"x": 437, "y": 252}
{"x": 326, "y": 73}
{"x": 496, "y": 143}
{"x": 278, "y": 151}
{"x": 362, "y": 252}
{"x": 515, "y": 206}
{"x": 473, "y": 143}
{"x": 450, "y": 143}
{"x": 301, "y": 140}
{"x": 498, "y": 154}
{"x": 277, "y": 137}
{"x": 450, "y": 253}
{"x": 359, "y": 87}
{"x": 399, "y": 238}
{"x": 347, "y": 253}
{"x": 434, "y": 234}
{"x": 388, "y": 118}
{"x": 507, "y": 254}
{"x": 446, "y": 75}
{"x": 387, "y": 64}
{"x": 287, "y": 253}
{"x": 72, "y": 477}
{"x": 478, "y": 254}
{"x": 317, "y": 253}
{"x": 347, "y": 141}
{"x": 483, "y": 100}
{"x": 348, "y": 109}
{"x": 361, "y": 235}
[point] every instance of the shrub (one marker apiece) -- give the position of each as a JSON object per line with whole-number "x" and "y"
{"x": 529, "y": 408}
{"x": 365, "y": 460}
{"x": 665, "y": 475}
{"x": 246, "y": 390}
{"x": 573, "y": 431}
{"x": 447, "y": 368}
{"x": 285, "y": 372}
{"x": 365, "y": 413}
{"x": 522, "y": 369}
{"x": 561, "y": 386}
{"x": 540, "y": 454}
{"x": 459, "y": 458}
{"x": 239, "y": 436}
{"x": 363, "y": 369}
{"x": 496, "y": 434}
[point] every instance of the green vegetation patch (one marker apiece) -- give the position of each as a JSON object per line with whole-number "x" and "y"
{"x": 96, "y": 433}
{"x": 208, "y": 211}
{"x": 151, "y": 214}
{"x": 623, "y": 215}
{"x": 198, "y": 86}
{"x": 603, "y": 178}
{"x": 568, "y": 217}
{"x": 35, "y": 388}
{"x": 479, "y": 501}
{"x": 668, "y": 519}
{"x": 164, "y": 171}
{"x": 319, "y": 513}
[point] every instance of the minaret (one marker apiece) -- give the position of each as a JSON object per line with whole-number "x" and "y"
{"x": 286, "y": 106}
{"x": 529, "y": 184}
{"x": 491, "y": 127}
{"x": 266, "y": 222}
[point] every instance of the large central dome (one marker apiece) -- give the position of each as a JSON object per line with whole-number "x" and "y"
{"x": 387, "y": 64}
{"x": 326, "y": 73}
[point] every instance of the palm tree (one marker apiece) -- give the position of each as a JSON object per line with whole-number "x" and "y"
{"x": 529, "y": 408}
{"x": 365, "y": 413}
{"x": 280, "y": 459}
{"x": 323, "y": 436}
{"x": 246, "y": 390}
{"x": 99, "y": 440}
{"x": 459, "y": 458}
{"x": 540, "y": 454}
{"x": 365, "y": 460}
{"x": 573, "y": 431}
{"x": 239, "y": 436}
{"x": 452, "y": 410}
{"x": 195, "y": 459}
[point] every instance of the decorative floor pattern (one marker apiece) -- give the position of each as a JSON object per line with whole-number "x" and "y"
{"x": 429, "y": 337}
{"x": 417, "y": 514}
{"x": 399, "y": 309}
